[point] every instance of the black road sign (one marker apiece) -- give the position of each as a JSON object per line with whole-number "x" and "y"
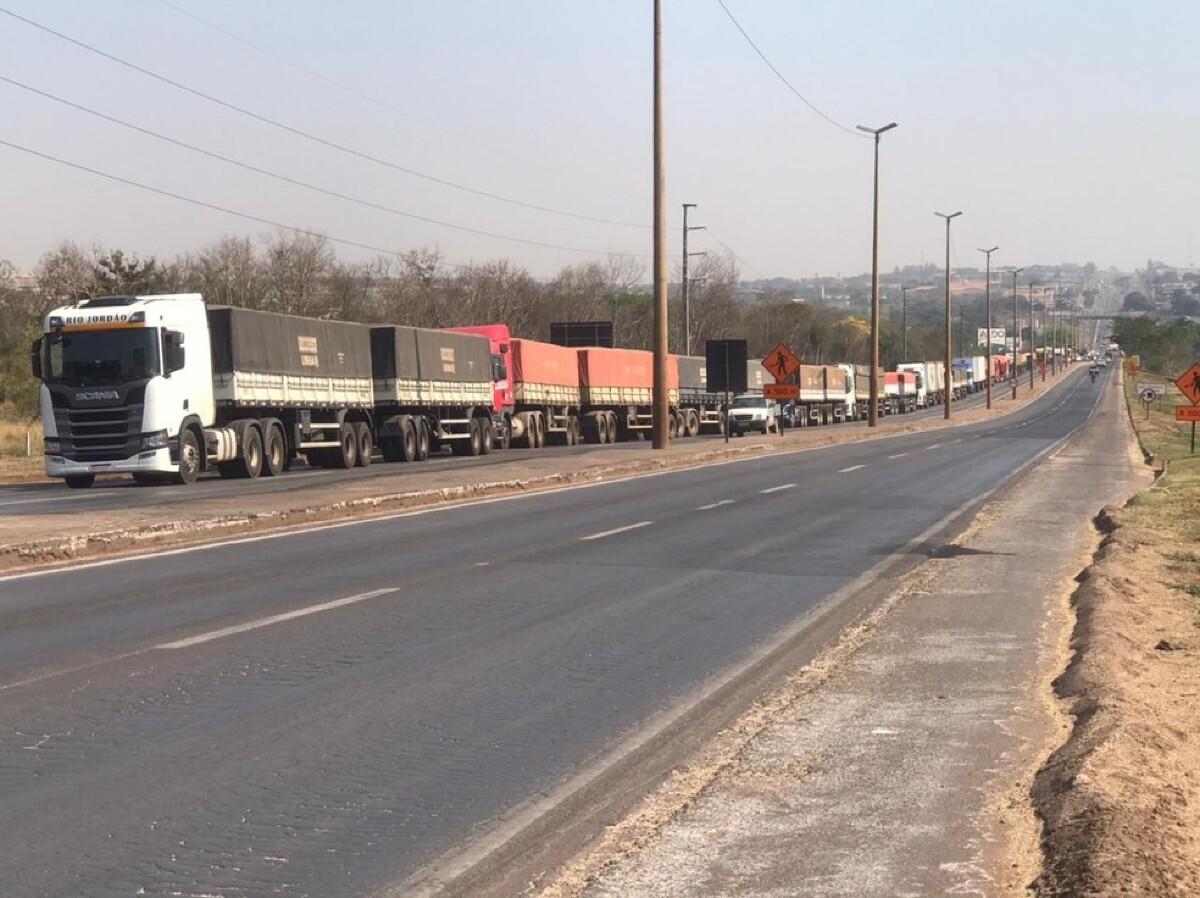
{"x": 725, "y": 366}
{"x": 581, "y": 333}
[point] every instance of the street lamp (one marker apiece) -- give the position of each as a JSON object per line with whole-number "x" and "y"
{"x": 949, "y": 389}
{"x": 988, "y": 313}
{"x": 1032, "y": 345}
{"x": 873, "y": 410}
{"x": 1016, "y": 344}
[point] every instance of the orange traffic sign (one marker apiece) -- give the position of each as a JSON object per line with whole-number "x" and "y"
{"x": 781, "y": 362}
{"x": 1187, "y": 413}
{"x": 781, "y": 392}
{"x": 1189, "y": 383}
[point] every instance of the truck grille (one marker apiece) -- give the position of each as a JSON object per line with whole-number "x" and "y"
{"x": 99, "y": 434}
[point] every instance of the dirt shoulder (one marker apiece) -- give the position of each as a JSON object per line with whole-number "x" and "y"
{"x": 39, "y": 537}
{"x": 1121, "y": 798}
{"x": 901, "y": 761}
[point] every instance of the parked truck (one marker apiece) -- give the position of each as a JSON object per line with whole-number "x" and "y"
{"x": 431, "y": 388}
{"x": 163, "y": 388}
{"x": 931, "y": 381}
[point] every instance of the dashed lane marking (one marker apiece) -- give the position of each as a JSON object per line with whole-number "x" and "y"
{"x": 851, "y": 468}
{"x": 776, "y": 489}
{"x": 275, "y": 619}
{"x": 898, "y": 455}
{"x": 711, "y": 505}
{"x": 616, "y": 530}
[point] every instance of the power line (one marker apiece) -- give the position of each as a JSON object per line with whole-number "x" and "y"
{"x": 739, "y": 259}
{"x": 206, "y": 205}
{"x": 778, "y": 74}
{"x": 295, "y": 181}
{"x": 314, "y": 138}
{"x": 342, "y": 85}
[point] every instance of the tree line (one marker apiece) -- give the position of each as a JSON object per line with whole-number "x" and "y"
{"x": 301, "y": 274}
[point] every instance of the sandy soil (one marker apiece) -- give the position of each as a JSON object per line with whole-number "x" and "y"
{"x": 1120, "y": 800}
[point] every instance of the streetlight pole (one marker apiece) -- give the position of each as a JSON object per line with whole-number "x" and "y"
{"x": 687, "y": 282}
{"x": 904, "y": 322}
{"x": 873, "y": 409}
{"x": 1032, "y": 345}
{"x": 661, "y": 411}
{"x": 949, "y": 390}
{"x": 1016, "y": 344}
{"x": 1054, "y": 336}
{"x": 1045, "y": 321}
{"x": 987, "y": 292}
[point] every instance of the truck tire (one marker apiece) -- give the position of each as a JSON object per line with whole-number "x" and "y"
{"x": 693, "y": 422}
{"x": 249, "y": 462}
{"x": 487, "y": 437}
{"x": 364, "y": 445}
{"x": 602, "y": 429}
{"x": 475, "y": 443}
{"x": 274, "y": 452}
{"x": 504, "y": 436}
{"x": 424, "y": 441}
{"x": 537, "y": 431}
{"x": 346, "y": 454}
{"x": 80, "y": 481}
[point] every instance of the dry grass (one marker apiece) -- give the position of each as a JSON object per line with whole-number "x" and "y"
{"x": 15, "y": 464}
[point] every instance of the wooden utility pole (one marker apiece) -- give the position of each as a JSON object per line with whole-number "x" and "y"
{"x": 661, "y": 411}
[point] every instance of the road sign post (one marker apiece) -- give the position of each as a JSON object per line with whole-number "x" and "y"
{"x": 783, "y": 364}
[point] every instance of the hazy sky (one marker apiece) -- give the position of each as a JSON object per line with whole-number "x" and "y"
{"x": 1064, "y": 130}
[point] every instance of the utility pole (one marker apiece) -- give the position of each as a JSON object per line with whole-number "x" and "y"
{"x": 904, "y": 322}
{"x": 661, "y": 411}
{"x": 987, "y": 292}
{"x": 1054, "y": 336}
{"x": 962, "y": 336}
{"x": 687, "y": 282}
{"x": 1045, "y": 337}
{"x": 873, "y": 410}
{"x": 949, "y": 391}
{"x": 1032, "y": 344}
{"x": 1016, "y": 345}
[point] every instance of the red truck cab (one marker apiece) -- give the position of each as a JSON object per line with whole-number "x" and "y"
{"x": 498, "y": 336}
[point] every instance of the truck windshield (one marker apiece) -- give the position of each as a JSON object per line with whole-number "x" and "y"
{"x": 84, "y": 358}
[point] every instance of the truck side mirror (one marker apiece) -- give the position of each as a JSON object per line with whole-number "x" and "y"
{"x": 173, "y": 353}
{"x": 35, "y": 358}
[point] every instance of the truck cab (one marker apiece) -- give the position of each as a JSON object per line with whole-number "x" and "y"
{"x": 922, "y": 390}
{"x": 125, "y": 381}
{"x": 499, "y": 337}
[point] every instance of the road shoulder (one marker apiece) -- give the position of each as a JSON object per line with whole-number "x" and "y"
{"x": 904, "y": 767}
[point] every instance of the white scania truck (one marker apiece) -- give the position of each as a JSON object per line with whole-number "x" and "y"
{"x": 164, "y": 387}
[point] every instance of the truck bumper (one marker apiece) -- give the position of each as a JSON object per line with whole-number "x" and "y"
{"x": 150, "y": 461}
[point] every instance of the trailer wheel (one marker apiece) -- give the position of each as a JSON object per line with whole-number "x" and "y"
{"x": 364, "y": 445}
{"x": 346, "y": 454}
{"x": 408, "y": 439}
{"x": 475, "y": 443}
{"x": 603, "y": 425}
{"x": 693, "y": 422}
{"x": 537, "y": 431}
{"x": 486, "y": 437}
{"x": 504, "y": 441}
{"x": 80, "y": 481}
{"x": 250, "y": 462}
{"x": 274, "y": 452}
{"x": 424, "y": 441}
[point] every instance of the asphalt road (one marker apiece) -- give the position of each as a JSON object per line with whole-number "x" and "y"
{"x": 325, "y": 712}
{"x": 114, "y": 493}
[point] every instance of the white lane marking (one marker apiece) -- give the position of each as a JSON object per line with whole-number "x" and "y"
{"x": 851, "y": 468}
{"x": 616, "y": 530}
{"x": 776, "y": 489}
{"x": 276, "y": 619}
{"x": 711, "y": 505}
{"x": 898, "y": 455}
{"x": 482, "y": 563}
{"x": 286, "y": 532}
{"x": 96, "y": 495}
{"x": 934, "y": 446}
{"x": 959, "y": 440}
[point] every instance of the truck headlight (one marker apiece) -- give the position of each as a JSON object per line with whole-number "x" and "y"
{"x": 156, "y": 440}
{"x": 52, "y": 446}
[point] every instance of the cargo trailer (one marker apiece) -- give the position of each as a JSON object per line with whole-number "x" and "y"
{"x": 163, "y": 387}
{"x": 616, "y": 390}
{"x": 431, "y": 388}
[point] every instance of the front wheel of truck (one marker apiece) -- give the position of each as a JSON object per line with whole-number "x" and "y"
{"x": 189, "y": 458}
{"x": 80, "y": 481}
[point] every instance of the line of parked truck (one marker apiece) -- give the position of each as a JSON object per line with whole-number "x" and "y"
{"x": 165, "y": 388}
